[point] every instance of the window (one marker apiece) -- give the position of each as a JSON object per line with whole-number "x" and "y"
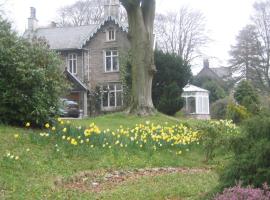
{"x": 110, "y": 34}
{"x": 202, "y": 105}
{"x": 112, "y": 95}
{"x": 72, "y": 63}
{"x": 111, "y": 61}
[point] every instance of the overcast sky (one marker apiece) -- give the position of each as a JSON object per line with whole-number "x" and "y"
{"x": 224, "y": 19}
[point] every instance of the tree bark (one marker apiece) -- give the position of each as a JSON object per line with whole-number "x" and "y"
{"x": 141, "y": 19}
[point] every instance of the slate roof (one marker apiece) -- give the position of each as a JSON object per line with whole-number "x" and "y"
{"x": 222, "y": 72}
{"x": 70, "y": 37}
{"x": 208, "y": 72}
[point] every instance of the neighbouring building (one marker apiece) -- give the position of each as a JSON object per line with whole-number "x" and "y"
{"x": 90, "y": 56}
{"x": 219, "y": 73}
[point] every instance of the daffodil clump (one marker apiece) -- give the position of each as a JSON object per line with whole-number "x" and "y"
{"x": 146, "y": 135}
{"x": 227, "y": 127}
{"x": 11, "y": 156}
{"x": 217, "y": 134}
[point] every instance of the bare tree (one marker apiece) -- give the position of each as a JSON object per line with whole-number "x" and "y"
{"x": 182, "y": 33}
{"x": 141, "y": 15}
{"x": 85, "y": 12}
{"x": 82, "y": 12}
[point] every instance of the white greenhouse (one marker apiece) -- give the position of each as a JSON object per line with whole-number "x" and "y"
{"x": 196, "y": 102}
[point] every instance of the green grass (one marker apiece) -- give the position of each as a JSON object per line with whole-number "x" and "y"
{"x": 33, "y": 175}
{"x": 113, "y": 121}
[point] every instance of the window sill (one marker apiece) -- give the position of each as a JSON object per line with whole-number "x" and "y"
{"x": 108, "y": 41}
{"x": 111, "y": 72}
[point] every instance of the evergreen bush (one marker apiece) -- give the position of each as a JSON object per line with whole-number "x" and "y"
{"x": 30, "y": 79}
{"x": 251, "y": 163}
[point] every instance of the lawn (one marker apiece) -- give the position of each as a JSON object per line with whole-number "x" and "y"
{"x": 45, "y": 169}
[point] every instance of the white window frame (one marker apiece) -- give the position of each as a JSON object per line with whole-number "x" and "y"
{"x": 112, "y": 58}
{"x": 73, "y": 58}
{"x": 108, "y": 92}
{"x": 110, "y": 34}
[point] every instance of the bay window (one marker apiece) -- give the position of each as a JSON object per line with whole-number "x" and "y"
{"x": 112, "y": 95}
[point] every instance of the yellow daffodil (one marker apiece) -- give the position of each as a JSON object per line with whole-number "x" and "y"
{"x": 16, "y": 136}
{"x": 73, "y": 142}
{"x": 27, "y": 124}
{"x": 47, "y": 125}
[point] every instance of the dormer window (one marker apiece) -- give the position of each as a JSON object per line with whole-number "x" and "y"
{"x": 72, "y": 63}
{"x": 110, "y": 34}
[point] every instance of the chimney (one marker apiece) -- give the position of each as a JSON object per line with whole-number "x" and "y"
{"x": 206, "y": 63}
{"x": 111, "y": 9}
{"x": 32, "y": 20}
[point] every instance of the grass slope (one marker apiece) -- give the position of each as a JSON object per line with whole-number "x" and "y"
{"x": 33, "y": 175}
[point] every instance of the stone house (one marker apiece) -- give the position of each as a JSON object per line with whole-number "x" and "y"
{"x": 219, "y": 73}
{"x": 90, "y": 56}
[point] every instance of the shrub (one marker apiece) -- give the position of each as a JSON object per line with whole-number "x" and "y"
{"x": 251, "y": 162}
{"x": 249, "y": 193}
{"x": 216, "y": 91}
{"x": 30, "y": 79}
{"x": 171, "y": 77}
{"x": 217, "y": 88}
{"x": 170, "y": 101}
{"x": 215, "y": 135}
{"x": 219, "y": 109}
{"x": 237, "y": 113}
{"x": 246, "y": 95}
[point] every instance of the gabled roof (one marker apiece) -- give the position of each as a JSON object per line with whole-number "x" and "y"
{"x": 71, "y": 37}
{"x": 193, "y": 88}
{"x": 208, "y": 72}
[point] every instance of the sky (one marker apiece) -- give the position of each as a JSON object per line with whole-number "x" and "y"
{"x": 224, "y": 20}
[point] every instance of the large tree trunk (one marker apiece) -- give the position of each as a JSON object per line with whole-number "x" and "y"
{"x": 141, "y": 19}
